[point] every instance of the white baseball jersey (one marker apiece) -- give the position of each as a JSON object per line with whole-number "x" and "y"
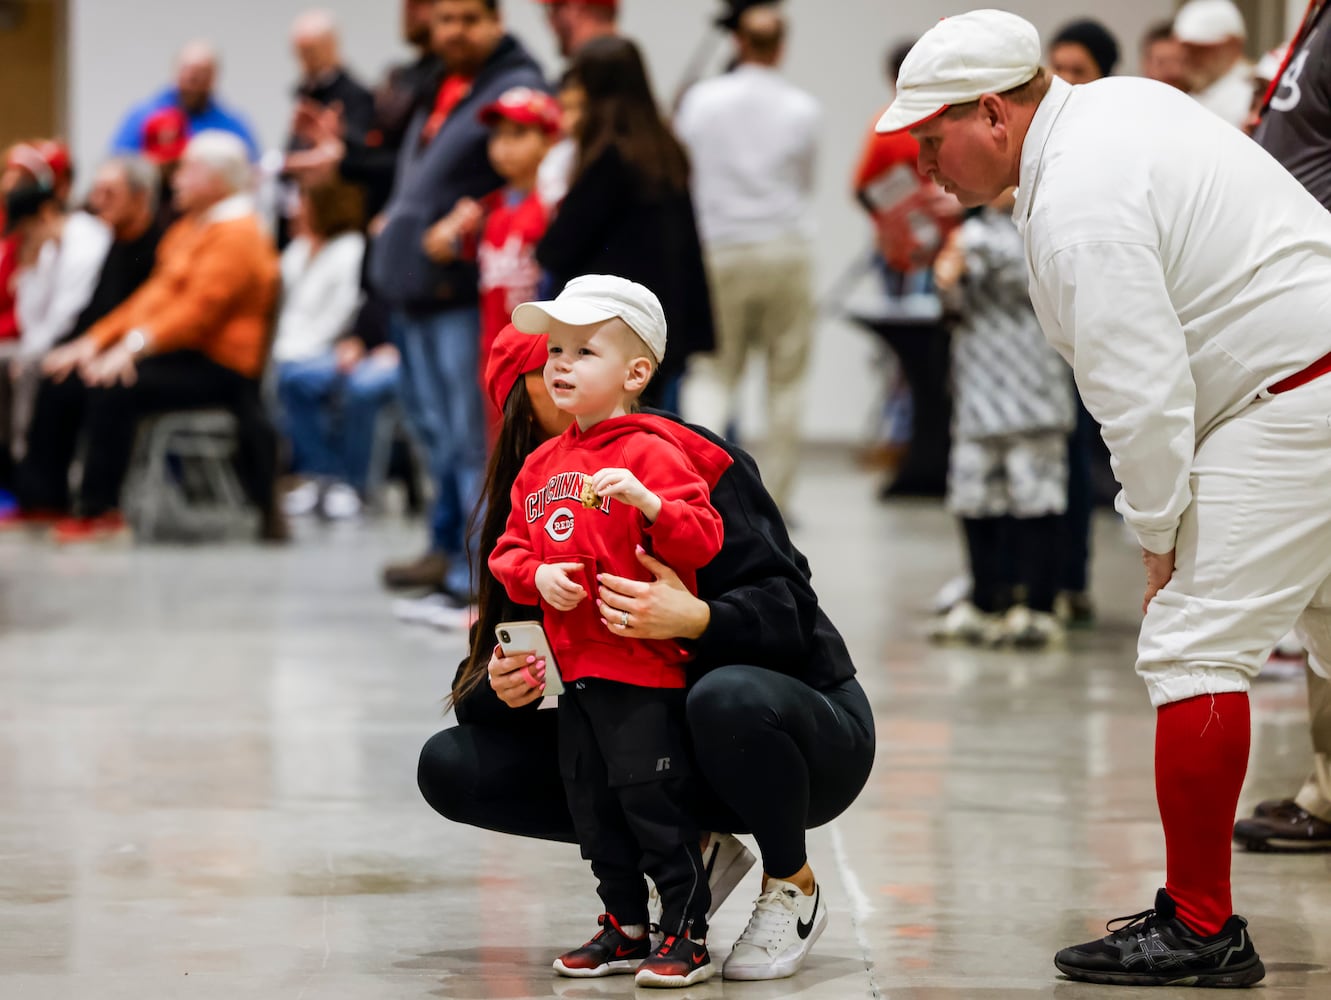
{"x": 1177, "y": 266}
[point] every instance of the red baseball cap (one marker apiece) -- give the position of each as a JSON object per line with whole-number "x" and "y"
{"x": 46, "y": 160}
{"x": 526, "y": 107}
{"x": 512, "y": 356}
{"x": 165, "y": 135}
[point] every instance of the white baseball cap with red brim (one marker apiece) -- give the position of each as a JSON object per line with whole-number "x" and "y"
{"x": 960, "y": 59}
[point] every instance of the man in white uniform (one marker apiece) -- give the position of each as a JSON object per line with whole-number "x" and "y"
{"x": 1186, "y": 276}
{"x": 1213, "y": 33}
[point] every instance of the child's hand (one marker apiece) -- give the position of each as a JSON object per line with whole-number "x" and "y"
{"x": 440, "y": 241}
{"x": 467, "y": 215}
{"x": 556, "y": 588}
{"x": 624, "y": 484}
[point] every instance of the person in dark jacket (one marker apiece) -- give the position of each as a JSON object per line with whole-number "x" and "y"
{"x": 781, "y": 732}
{"x": 435, "y": 316}
{"x": 324, "y": 83}
{"x": 628, "y": 210}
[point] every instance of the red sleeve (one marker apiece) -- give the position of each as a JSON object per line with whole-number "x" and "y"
{"x": 687, "y": 534}
{"x": 513, "y": 562}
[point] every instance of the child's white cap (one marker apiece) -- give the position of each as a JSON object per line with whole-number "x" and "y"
{"x": 595, "y": 298}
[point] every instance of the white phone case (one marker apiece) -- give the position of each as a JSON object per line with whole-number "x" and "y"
{"x": 518, "y": 637}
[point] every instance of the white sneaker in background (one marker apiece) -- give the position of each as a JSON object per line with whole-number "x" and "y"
{"x": 965, "y": 623}
{"x": 952, "y": 593}
{"x": 1027, "y": 629}
{"x": 422, "y": 610}
{"x": 452, "y": 619}
{"x": 340, "y": 503}
{"x": 302, "y": 500}
{"x": 784, "y": 926}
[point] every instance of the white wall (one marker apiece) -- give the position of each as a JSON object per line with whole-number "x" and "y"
{"x": 121, "y": 50}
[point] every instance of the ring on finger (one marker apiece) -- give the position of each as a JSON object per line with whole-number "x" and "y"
{"x": 624, "y": 620}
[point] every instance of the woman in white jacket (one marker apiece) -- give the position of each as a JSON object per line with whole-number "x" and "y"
{"x": 329, "y": 387}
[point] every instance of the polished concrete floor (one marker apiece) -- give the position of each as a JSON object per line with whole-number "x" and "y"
{"x": 207, "y": 788}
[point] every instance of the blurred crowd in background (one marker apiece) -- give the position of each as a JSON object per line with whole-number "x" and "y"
{"x": 336, "y": 299}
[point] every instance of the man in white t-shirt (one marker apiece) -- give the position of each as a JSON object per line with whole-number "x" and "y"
{"x": 753, "y": 138}
{"x": 1212, "y": 33}
{"x": 1194, "y": 316}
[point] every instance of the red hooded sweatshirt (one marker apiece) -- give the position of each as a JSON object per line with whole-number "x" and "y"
{"x": 549, "y": 524}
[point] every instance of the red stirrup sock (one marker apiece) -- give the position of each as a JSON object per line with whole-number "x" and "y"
{"x": 1201, "y": 756}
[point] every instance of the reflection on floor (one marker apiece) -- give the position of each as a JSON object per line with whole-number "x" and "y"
{"x": 207, "y": 788}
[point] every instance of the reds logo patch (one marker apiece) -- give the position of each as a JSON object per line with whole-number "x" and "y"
{"x": 560, "y": 525}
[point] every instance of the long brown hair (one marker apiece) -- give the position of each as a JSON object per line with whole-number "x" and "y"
{"x": 621, "y": 114}
{"x": 518, "y": 437}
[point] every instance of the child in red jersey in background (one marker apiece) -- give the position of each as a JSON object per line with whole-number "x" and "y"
{"x": 524, "y": 124}
{"x": 617, "y": 481}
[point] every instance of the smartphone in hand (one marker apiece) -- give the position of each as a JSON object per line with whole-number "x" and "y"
{"x": 519, "y": 637}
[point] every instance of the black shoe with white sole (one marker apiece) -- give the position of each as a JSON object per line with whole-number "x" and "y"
{"x": 680, "y": 961}
{"x": 610, "y": 953}
{"x": 1155, "y": 948}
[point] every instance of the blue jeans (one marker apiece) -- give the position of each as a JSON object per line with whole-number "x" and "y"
{"x": 329, "y": 440}
{"x": 441, "y": 398}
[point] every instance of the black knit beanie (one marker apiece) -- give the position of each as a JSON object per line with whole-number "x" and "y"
{"x": 1095, "y": 38}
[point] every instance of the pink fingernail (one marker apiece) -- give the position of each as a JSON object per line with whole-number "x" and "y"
{"x": 639, "y": 549}
{"x": 531, "y": 659}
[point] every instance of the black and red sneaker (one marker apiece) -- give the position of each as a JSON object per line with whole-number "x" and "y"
{"x": 680, "y": 961}
{"x": 610, "y": 953}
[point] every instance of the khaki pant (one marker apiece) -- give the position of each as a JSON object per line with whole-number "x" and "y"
{"x": 763, "y": 296}
{"x": 1315, "y": 795}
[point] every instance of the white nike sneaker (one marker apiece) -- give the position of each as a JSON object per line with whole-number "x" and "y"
{"x": 727, "y": 861}
{"x": 966, "y": 624}
{"x": 784, "y": 926}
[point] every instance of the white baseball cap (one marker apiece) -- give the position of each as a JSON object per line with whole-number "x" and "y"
{"x": 1209, "y": 22}
{"x": 595, "y": 298}
{"x": 960, "y": 59}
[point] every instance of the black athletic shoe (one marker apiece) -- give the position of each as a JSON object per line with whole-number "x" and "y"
{"x": 680, "y": 961}
{"x": 1156, "y": 949}
{"x": 610, "y": 953}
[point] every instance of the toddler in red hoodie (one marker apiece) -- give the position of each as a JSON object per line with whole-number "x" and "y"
{"x": 615, "y": 480}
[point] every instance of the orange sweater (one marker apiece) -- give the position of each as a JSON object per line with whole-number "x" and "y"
{"x": 212, "y": 290}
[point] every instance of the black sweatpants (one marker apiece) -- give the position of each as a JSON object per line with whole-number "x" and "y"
{"x": 181, "y": 380}
{"x": 775, "y": 757}
{"x": 1007, "y": 552}
{"x": 627, "y": 777}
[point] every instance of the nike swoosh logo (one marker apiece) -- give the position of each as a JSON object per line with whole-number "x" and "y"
{"x": 700, "y": 958}
{"x": 803, "y": 929}
{"x": 622, "y": 952}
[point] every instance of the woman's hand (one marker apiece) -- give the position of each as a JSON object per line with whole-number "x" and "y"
{"x": 660, "y": 609}
{"x": 625, "y": 485}
{"x": 518, "y": 679}
{"x": 950, "y": 264}
{"x": 556, "y": 588}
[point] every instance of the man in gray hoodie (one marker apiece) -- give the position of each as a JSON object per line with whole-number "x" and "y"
{"x": 435, "y": 322}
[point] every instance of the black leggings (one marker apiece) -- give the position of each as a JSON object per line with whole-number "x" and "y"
{"x": 776, "y": 758}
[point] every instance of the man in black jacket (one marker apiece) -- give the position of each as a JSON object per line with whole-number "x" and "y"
{"x": 324, "y": 83}
{"x": 435, "y": 321}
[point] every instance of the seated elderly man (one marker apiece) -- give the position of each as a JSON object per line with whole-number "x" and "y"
{"x": 194, "y": 335}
